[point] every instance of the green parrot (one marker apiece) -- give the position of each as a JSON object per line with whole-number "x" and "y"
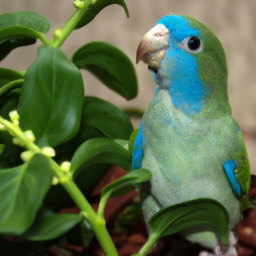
{"x": 188, "y": 138}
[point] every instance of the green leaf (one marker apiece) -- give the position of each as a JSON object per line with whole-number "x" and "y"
{"x": 95, "y": 7}
{"x": 2, "y": 146}
{"x": 110, "y": 65}
{"x": 107, "y": 118}
{"x": 119, "y": 186}
{"x": 7, "y": 76}
{"x": 11, "y": 154}
{"x": 86, "y": 232}
{"x": 9, "y": 103}
{"x": 200, "y": 212}
{"x": 122, "y": 186}
{"x": 11, "y": 86}
{"x": 123, "y": 143}
{"x": 52, "y": 98}
{"x": 10, "y": 44}
{"x": 134, "y": 112}
{"x": 100, "y": 150}
{"x": 22, "y": 190}
{"x": 132, "y": 139}
{"x": 99, "y": 119}
{"x": 52, "y": 226}
{"x": 20, "y": 29}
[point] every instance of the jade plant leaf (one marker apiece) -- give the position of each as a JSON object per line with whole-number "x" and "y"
{"x": 22, "y": 190}
{"x": 110, "y": 65}
{"x": 200, "y": 212}
{"x": 52, "y": 98}
{"x": 52, "y": 226}
{"x": 20, "y": 29}
{"x": 95, "y": 7}
{"x": 100, "y": 150}
{"x": 107, "y": 118}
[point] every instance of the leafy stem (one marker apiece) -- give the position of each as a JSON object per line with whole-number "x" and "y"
{"x": 60, "y": 38}
{"x": 43, "y": 38}
{"x": 96, "y": 221}
{"x": 14, "y": 84}
{"x": 103, "y": 202}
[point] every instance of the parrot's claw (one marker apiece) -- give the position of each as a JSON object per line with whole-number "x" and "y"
{"x": 227, "y": 250}
{"x": 224, "y": 250}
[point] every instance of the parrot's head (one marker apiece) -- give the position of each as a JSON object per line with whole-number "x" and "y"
{"x": 186, "y": 57}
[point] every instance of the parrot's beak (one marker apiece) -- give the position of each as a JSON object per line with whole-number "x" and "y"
{"x": 153, "y": 46}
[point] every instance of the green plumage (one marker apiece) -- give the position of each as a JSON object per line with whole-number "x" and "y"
{"x": 187, "y": 136}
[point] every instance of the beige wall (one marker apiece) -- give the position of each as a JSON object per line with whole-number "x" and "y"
{"x": 233, "y": 21}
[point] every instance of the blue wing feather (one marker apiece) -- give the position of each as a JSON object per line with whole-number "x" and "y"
{"x": 230, "y": 167}
{"x": 137, "y": 151}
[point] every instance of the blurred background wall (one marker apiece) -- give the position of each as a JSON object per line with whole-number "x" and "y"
{"x": 233, "y": 21}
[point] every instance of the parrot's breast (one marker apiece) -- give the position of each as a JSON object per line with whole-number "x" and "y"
{"x": 185, "y": 155}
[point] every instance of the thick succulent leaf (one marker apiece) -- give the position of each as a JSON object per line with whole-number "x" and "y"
{"x": 7, "y": 76}
{"x": 52, "y": 226}
{"x": 107, "y": 118}
{"x": 100, "y": 150}
{"x": 20, "y": 29}
{"x": 95, "y": 7}
{"x": 123, "y": 184}
{"x": 22, "y": 190}
{"x": 110, "y": 65}
{"x": 200, "y": 212}
{"x": 52, "y": 98}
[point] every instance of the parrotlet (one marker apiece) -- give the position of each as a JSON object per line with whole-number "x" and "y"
{"x": 188, "y": 138}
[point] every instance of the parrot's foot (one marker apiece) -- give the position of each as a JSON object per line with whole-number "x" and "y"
{"x": 231, "y": 252}
{"x": 223, "y": 250}
{"x": 227, "y": 250}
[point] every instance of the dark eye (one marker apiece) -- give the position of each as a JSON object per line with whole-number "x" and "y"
{"x": 194, "y": 43}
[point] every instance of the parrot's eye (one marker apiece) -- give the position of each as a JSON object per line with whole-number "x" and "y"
{"x": 194, "y": 43}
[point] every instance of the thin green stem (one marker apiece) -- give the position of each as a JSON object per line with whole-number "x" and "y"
{"x": 69, "y": 27}
{"x": 17, "y": 132}
{"x": 103, "y": 202}
{"x": 43, "y": 38}
{"x": 148, "y": 245}
{"x": 96, "y": 221}
{"x": 14, "y": 84}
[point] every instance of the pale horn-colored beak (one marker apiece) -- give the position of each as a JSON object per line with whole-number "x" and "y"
{"x": 153, "y": 46}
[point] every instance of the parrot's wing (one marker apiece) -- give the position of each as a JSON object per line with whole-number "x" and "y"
{"x": 137, "y": 151}
{"x": 237, "y": 167}
{"x": 230, "y": 167}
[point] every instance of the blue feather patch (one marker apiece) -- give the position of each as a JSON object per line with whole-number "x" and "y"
{"x": 137, "y": 151}
{"x": 230, "y": 169}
